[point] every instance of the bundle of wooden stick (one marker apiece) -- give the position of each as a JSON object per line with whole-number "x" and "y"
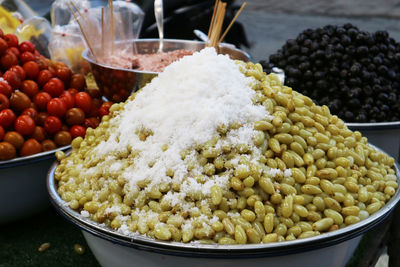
{"x": 217, "y": 21}
{"x": 84, "y": 25}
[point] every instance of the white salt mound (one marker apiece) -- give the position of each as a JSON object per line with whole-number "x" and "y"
{"x": 182, "y": 108}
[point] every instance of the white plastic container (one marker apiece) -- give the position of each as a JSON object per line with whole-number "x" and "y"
{"x": 112, "y": 248}
{"x": 385, "y": 135}
{"x": 23, "y": 185}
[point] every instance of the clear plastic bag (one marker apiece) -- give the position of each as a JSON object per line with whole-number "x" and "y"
{"x": 38, "y": 31}
{"x": 61, "y": 15}
{"x": 105, "y": 33}
{"x": 67, "y": 46}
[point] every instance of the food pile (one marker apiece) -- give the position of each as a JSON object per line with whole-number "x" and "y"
{"x": 43, "y": 105}
{"x": 147, "y": 62}
{"x": 215, "y": 151}
{"x": 355, "y": 73}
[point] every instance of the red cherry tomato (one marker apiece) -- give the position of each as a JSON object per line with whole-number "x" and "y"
{"x": 30, "y": 147}
{"x": 48, "y": 145}
{"x": 26, "y": 57}
{"x": 52, "y": 70}
{"x": 27, "y": 47}
{"x": 75, "y": 116}
{"x": 25, "y": 125}
{"x": 41, "y": 100}
{"x": 7, "y": 151}
{"x": 43, "y": 77}
{"x": 41, "y": 118}
{"x": 104, "y": 110}
{"x": 62, "y": 138}
{"x": 4, "y": 102}
{"x": 55, "y": 87}
{"x": 8, "y": 60}
{"x": 64, "y": 128}
{"x": 64, "y": 73}
{"x": 19, "y": 70}
{"x": 31, "y": 112}
{"x": 1, "y": 33}
{"x": 78, "y": 82}
{"x": 92, "y": 122}
{"x": 32, "y": 69}
{"x": 52, "y": 124}
{"x": 77, "y": 130}
{"x": 3, "y": 46}
{"x": 19, "y": 101}
{"x": 41, "y": 61}
{"x": 56, "y": 107}
{"x": 94, "y": 112}
{"x": 2, "y": 133}
{"x": 97, "y": 102}
{"x": 68, "y": 99}
{"x": 59, "y": 64}
{"x": 14, "y": 50}
{"x": 30, "y": 88}
{"x": 83, "y": 101}
{"x": 39, "y": 134}
{"x": 73, "y": 91}
{"x": 5, "y": 88}
{"x": 7, "y": 117}
{"x": 12, "y": 79}
{"x": 11, "y": 39}
{"x": 14, "y": 138}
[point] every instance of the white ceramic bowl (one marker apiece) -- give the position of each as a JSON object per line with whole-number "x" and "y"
{"x": 112, "y": 248}
{"x": 385, "y": 135}
{"x": 23, "y": 185}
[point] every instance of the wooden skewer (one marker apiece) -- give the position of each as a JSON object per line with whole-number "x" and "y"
{"x": 212, "y": 18}
{"x": 82, "y": 30}
{"x": 219, "y": 10}
{"x": 230, "y": 24}
{"x": 102, "y": 30}
{"x": 77, "y": 9}
{"x": 79, "y": 12}
{"x": 217, "y": 20}
{"x": 110, "y": 5}
{"x": 218, "y": 24}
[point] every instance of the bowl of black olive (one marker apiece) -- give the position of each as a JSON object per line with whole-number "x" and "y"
{"x": 353, "y": 72}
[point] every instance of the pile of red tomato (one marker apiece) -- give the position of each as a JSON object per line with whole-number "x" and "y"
{"x": 43, "y": 105}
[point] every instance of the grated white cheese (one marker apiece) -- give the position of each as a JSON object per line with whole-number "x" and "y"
{"x": 182, "y": 108}
{"x": 287, "y": 173}
{"x": 274, "y": 172}
{"x": 113, "y": 209}
{"x": 85, "y": 214}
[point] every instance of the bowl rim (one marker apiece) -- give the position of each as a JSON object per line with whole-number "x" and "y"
{"x": 196, "y": 249}
{"x": 372, "y": 126}
{"x": 31, "y": 158}
{"x": 88, "y": 56}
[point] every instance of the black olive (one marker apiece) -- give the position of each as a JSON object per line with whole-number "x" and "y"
{"x": 355, "y": 73}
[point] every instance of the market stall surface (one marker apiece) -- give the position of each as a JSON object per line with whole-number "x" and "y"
{"x": 20, "y": 241}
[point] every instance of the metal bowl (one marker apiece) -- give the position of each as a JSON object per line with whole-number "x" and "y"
{"x": 23, "y": 185}
{"x": 112, "y": 248}
{"x": 385, "y": 135}
{"x": 116, "y": 84}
